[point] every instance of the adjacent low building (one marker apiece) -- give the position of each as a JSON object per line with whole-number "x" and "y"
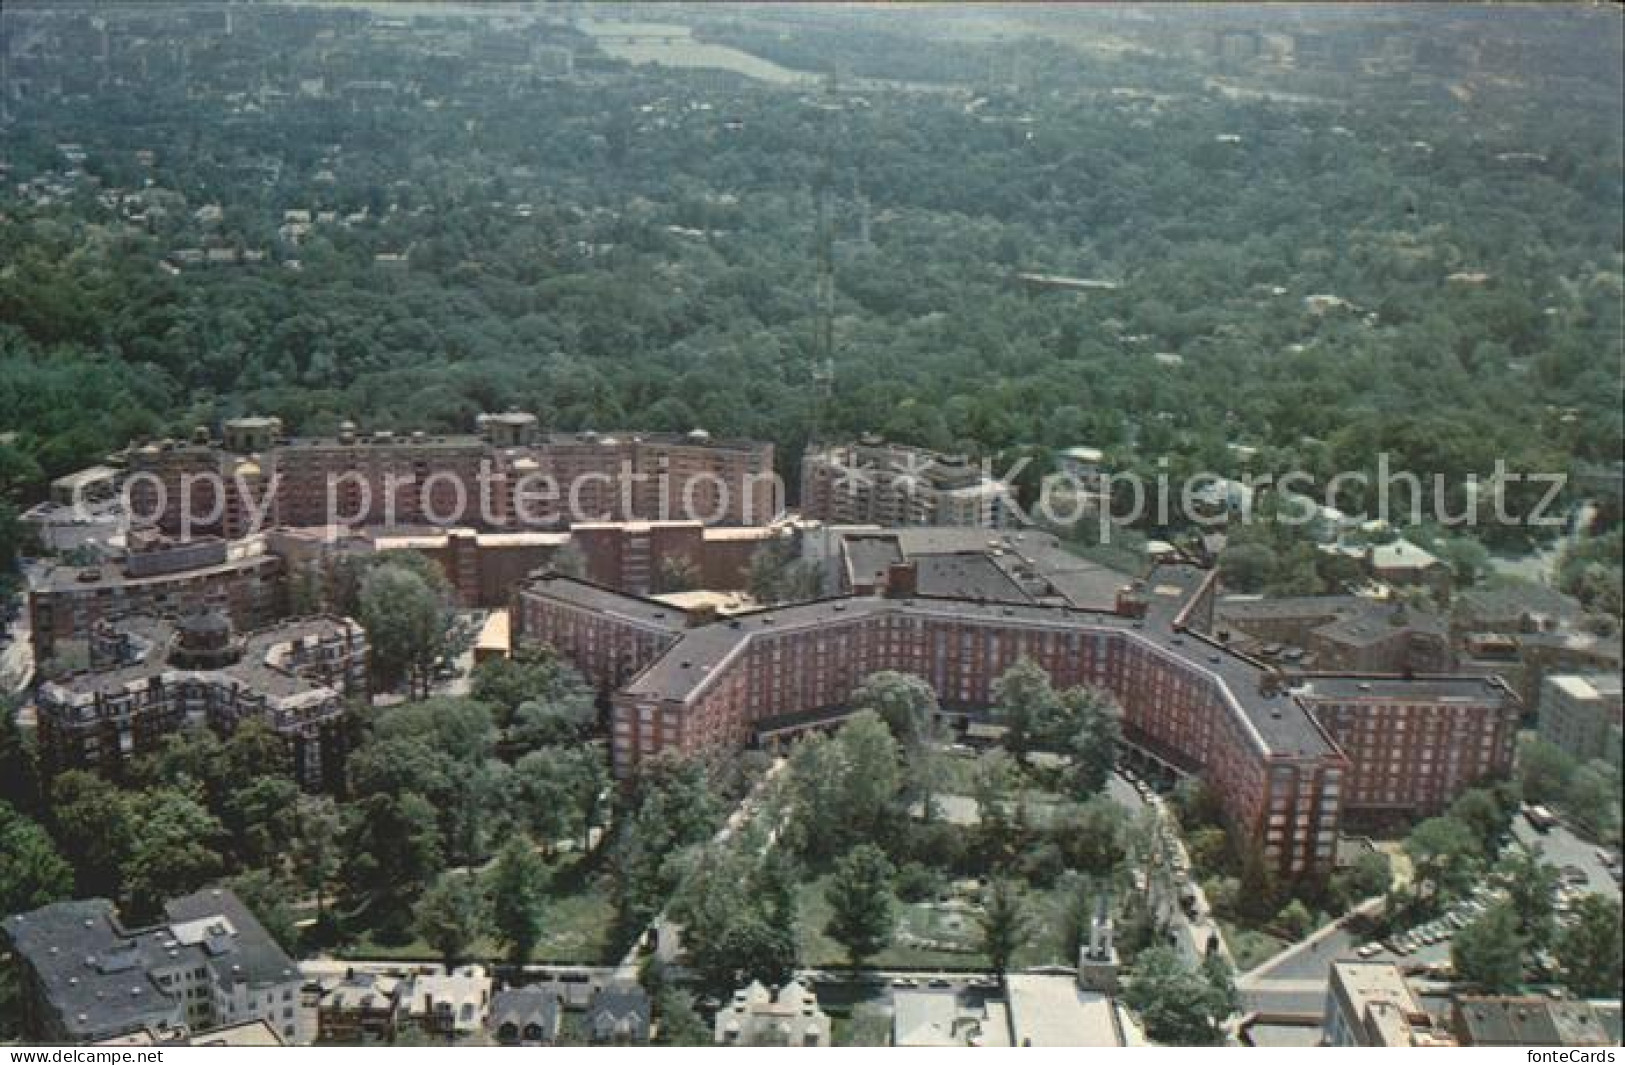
{"x": 1526, "y": 1021}
{"x": 933, "y": 1017}
{"x": 525, "y": 1016}
{"x": 452, "y": 1007}
{"x": 619, "y": 1013}
{"x": 787, "y": 1016}
{"x": 1052, "y": 1010}
{"x": 360, "y": 1008}
{"x": 1581, "y": 714}
{"x": 209, "y": 964}
{"x": 152, "y": 677}
{"x": 1337, "y": 633}
{"x": 1370, "y": 1004}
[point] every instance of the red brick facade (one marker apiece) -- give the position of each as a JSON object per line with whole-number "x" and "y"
{"x": 1276, "y": 758}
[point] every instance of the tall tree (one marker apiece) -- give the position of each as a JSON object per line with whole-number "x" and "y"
{"x": 1023, "y": 702}
{"x": 1092, "y": 733}
{"x": 534, "y": 674}
{"x": 1482, "y": 812}
{"x": 1489, "y": 951}
{"x": 175, "y": 849}
{"x": 670, "y": 806}
{"x": 32, "y": 873}
{"x": 1530, "y": 883}
{"x": 734, "y": 930}
{"x": 451, "y": 916}
{"x": 860, "y": 900}
{"x": 680, "y": 1025}
{"x": 19, "y": 779}
{"x": 906, "y": 703}
{"x": 1591, "y": 951}
{"x": 267, "y": 899}
{"x": 409, "y": 625}
{"x": 855, "y": 771}
{"x": 1177, "y": 1006}
{"x": 93, "y": 823}
{"x": 1444, "y": 854}
{"x": 1545, "y": 771}
{"x": 1004, "y": 924}
{"x": 316, "y": 852}
{"x": 391, "y": 850}
{"x": 519, "y": 899}
{"x": 1221, "y": 979}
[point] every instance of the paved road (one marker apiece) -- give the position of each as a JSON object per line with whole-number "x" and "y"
{"x": 1561, "y": 847}
{"x": 1192, "y": 935}
{"x": 17, "y": 656}
{"x": 1295, "y": 980}
{"x": 741, "y": 815}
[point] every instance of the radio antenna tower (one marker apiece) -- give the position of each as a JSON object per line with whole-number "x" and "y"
{"x": 823, "y": 368}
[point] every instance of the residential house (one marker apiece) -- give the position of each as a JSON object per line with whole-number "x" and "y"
{"x": 525, "y": 1016}
{"x": 787, "y": 1017}
{"x": 451, "y": 1006}
{"x": 1526, "y": 1021}
{"x": 360, "y": 1008}
{"x": 619, "y": 1013}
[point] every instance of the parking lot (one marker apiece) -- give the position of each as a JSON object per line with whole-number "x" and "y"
{"x": 1582, "y": 869}
{"x": 1562, "y": 848}
{"x": 1294, "y": 983}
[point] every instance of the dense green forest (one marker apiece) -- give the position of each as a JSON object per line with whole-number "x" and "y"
{"x": 637, "y": 245}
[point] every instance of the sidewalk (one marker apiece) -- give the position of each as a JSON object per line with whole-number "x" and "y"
{"x": 1258, "y": 975}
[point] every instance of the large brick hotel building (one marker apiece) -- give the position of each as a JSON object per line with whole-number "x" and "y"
{"x": 254, "y": 474}
{"x": 1289, "y": 757}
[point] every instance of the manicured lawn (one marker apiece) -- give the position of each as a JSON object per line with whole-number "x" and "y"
{"x": 579, "y": 925}
{"x": 820, "y": 951}
{"x": 861, "y": 1026}
{"x": 922, "y": 922}
{"x": 1250, "y": 948}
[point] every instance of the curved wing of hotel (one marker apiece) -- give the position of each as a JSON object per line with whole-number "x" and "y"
{"x": 1290, "y": 758}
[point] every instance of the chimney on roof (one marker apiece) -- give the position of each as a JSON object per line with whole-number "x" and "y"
{"x": 1131, "y": 602}
{"x": 902, "y": 580}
